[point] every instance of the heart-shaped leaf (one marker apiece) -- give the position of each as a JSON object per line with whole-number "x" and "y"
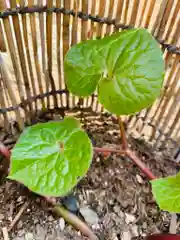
{"x": 50, "y": 158}
{"x": 127, "y": 69}
{"x": 167, "y": 193}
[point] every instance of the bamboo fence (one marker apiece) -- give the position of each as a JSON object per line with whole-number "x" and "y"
{"x": 35, "y": 36}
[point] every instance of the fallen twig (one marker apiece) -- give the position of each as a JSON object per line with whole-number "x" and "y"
{"x": 74, "y": 221}
{"x": 71, "y": 219}
{"x": 18, "y": 215}
{"x": 5, "y": 233}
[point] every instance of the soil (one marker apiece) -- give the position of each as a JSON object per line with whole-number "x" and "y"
{"x": 113, "y": 188}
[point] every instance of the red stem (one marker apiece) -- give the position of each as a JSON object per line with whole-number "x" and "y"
{"x": 109, "y": 150}
{"x": 5, "y": 151}
{"x": 138, "y": 162}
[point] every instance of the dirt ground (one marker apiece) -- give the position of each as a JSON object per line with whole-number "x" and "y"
{"x": 117, "y": 193}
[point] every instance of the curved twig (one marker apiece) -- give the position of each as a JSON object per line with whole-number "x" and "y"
{"x": 74, "y": 221}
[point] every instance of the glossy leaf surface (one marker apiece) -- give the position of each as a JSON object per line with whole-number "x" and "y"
{"x": 50, "y": 158}
{"x": 167, "y": 193}
{"x": 127, "y": 69}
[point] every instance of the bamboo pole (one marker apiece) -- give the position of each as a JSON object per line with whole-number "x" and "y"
{"x": 157, "y": 22}
{"x": 149, "y": 13}
{"x": 66, "y": 39}
{"x": 164, "y": 21}
{"x": 125, "y": 11}
{"x": 134, "y": 12}
{"x": 20, "y": 47}
{"x": 172, "y": 20}
{"x": 119, "y": 11}
{"x": 26, "y": 43}
{"x": 35, "y": 50}
{"x": 2, "y": 40}
{"x": 3, "y": 104}
{"x": 58, "y": 46}
{"x": 49, "y": 50}
{"x": 11, "y": 46}
{"x": 6, "y": 80}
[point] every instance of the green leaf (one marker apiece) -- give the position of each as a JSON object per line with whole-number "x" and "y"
{"x": 127, "y": 68}
{"x": 167, "y": 193}
{"x": 50, "y": 158}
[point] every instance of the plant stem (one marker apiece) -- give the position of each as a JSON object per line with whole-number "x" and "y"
{"x": 109, "y": 150}
{"x": 123, "y": 134}
{"x": 138, "y": 162}
{"x": 5, "y": 151}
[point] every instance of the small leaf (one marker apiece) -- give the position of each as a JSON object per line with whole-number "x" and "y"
{"x": 127, "y": 69}
{"x": 167, "y": 193}
{"x": 50, "y": 158}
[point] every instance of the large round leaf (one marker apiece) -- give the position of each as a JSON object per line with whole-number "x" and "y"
{"x": 127, "y": 68}
{"x": 50, "y": 158}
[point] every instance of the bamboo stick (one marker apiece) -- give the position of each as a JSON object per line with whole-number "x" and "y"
{"x": 6, "y": 80}
{"x": 14, "y": 58}
{"x": 84, "y": 29}
{"x": 42, "y": 36}
{"x": 21, "y": 53}
{"x": 149, "y": 13}
{"x": 172, "y": 20}
{"x": 143, "y": 13}
{"x": 2, "y": 40}
{"x": 43, "y": 50}
{"x": 74, "y": 37}
{"x": 164, "y": 21}
{"x": 172, "y": 128}
{"x": 59, "y": 53}
{"x": 111, "y": 12}
{"x": 49, "y": 49}
{"x": 134, "y": 12}
{"x": 165, "y": 104}
{"x": 126, "y": 8}
{"x": 66, "y": 38}
{"x": 3, "y": 105}
{"x": 26, "y": 42}
{"x": 119, "y": 11}
{"x": 159, "y": 18}
{"x": 35, "y": 50}
{"x": 168, "y": 82}
{"x": 176, "y": 35}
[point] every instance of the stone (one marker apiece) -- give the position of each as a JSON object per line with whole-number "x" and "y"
{"x": 1, "y": 217}
{"x": 21, "y": 232}
{"x": 126, "y": 235}
{"x": 89, "y": 215}
{"x": 61, "y": 224}
{"x": 134, "y": 231}
{"x": 40, "y": 232}
{"x": 129, "y": 218}
{"x": 20, "y": 199}
{"x": 139, "y": 179}
{"x": 50, "y": 218}
{"x": 29, "y": 236}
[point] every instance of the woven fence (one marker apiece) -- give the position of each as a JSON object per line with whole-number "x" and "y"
{"x": 35, "y": 36}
